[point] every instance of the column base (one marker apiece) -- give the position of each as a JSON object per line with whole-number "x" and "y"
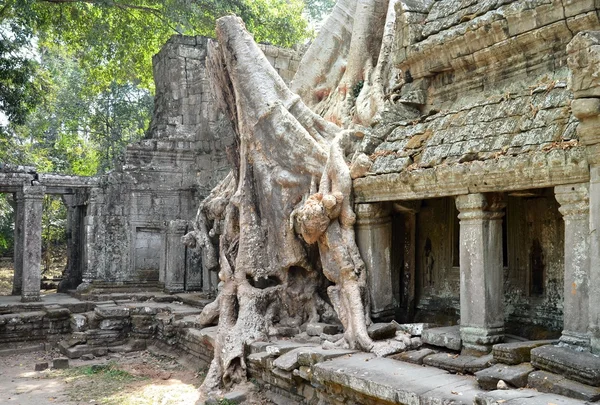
{"x": 479, "y": 341}
{"x": 174, "y": 288}
{"x": 31, "y": 297}
{"x": 575, "y": 340}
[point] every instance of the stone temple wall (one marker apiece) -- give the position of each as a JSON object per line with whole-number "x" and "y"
{"x": 129, "y": 225}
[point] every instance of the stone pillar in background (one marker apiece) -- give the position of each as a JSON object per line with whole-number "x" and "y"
{"x": 18, "y": 238}
{"x": 175, "y": 256}
{"x": 574, "y": 207}
{"x": 408, "y": 243}
{"x": 73, "y": 272}
{"x": 374, "y": 240}
{"x": 584, "y": 62}
{"x": 93, "y": 238}
{"x": 481, "y": 271}
{"x": 31, "y": 198}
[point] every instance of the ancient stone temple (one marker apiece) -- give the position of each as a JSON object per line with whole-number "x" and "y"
{"x": 420, "y": 229}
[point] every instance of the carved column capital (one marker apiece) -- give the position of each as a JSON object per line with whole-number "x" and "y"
{"x": 478, "y": 206}
{"x": 372, "y": 214}
{"x": 31, "y": 192}
{"x": 573, "y": 199}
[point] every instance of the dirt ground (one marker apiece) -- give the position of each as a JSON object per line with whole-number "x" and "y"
{"x": 130, "y": 379}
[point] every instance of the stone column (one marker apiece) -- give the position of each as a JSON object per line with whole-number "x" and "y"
{"x": 481, "y": 271}
{"x": 583, "y": 60}
{"x": 374, "y": 240}
{"x": 574, "y": 207}
{"x": 31, "y": 198}
{"x": 408, "y": 244}
{"x": 175, "y": 256}
{"x": 18, "y": 238}
{"x": 93, "y": 238}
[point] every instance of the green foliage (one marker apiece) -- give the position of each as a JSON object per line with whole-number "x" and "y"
{"x": 54, "y": 235}
{"x": 6, "y": 226}
{"x": 356, "y": 89}
{"x": 317, "y": 10}
{"x": 114, "y": 40}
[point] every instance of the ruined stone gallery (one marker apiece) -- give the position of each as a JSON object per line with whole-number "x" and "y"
{"x": 404, "y": 212}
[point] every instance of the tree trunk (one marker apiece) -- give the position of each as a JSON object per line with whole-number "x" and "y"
{"x": 284, "y": 216}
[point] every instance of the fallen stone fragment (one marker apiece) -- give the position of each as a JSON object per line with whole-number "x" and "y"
{"x": 60, "y": 363}
{"x": 544, "y": 381}
{"x": 502, "y": 385}
{"x": 414, "y": 356}
{"x": 448, "y": 337}
{"x": 88, "y": 357}
{"x": 517, "y": 352}
{"x": 414, "y": 329}
{"x": 316, "y": 329}
{"x": 41, "y": 366}
{"x": 516, "y": 376}
{"x": 380, "y": 331}
{"x": 578, "y": 366}
{"x": 382, "y": 349}
{"x": 288, "y": 361}
{"x": 458, "y": 363}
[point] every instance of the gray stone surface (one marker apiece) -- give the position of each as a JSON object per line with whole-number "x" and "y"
{"x": 578, "y": 366}
{"x": 523, "y": 397}
{"x": 414, "y": 356}
{"x": 544, "y": 381}
{"x": 448, "y": 337}
{"x": 516, "y": 376}
{"x": 316, "y": 329}
{"x": 396, "y": 382}
{"x": 458, "y": 363}
{"x": 310, "y": 356}
{"x": 517, "y": 352}
{"x": 41, "y": 366}
{"x": 279, "y": 347}
{"x": 288, "y": 361}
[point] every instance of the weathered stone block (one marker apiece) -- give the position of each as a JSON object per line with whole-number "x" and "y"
{"x": 41, "y": 366}
{"x": 544, "y": 381}
{"x": 414, "y": 329}
{"x": 517, "y": 352}
{"x": 313, "y": 355}
{"x": 458, "y": 363}
{"x": 280, "y": 347}
{"x": 61, "y": 363}
{"x": 315, "y": 329}
{"x": 578, "y": 366}
{"x": 79, "y": 323}
{"x": 114, "y": 312}
{"x": 448, "y": 337}
{"x": 414, "y": 356}
{"x": 380, "y": 331}
{"x": 513, "y": 375}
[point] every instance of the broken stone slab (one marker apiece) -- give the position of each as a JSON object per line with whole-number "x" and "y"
{"x": 76, "y": 338}
{"x": 388, "y": 347}
{"x": 113, "y": 324}
{"x": 76, "y": 352}
{"x": 544, "y": 381}
{"x": 331, "y": 338}
{"x": 523, "y": 397}
{"x": 262, "y": 359}
{"x": 88, "y": 357}
{"x": 41, "y": 366}
{"x": 414, "y": 356}
{"x": 316, "y": 329}
{"x": 414, "y": 329}
{"x": 258, "y": 347}
{"x": 280, "y": 347}
{"x": 309, "y": 356}
{"x": 513, "y": 375}
{"x": 459, "y": 363}
{"x": 381, "y": 331}
{"x": 305, "y": 338}
{"x": 448, "y": 337}
{"x": 517, "y": 352}
{"x": 60, "y": 363}
{"x": 578, "y": 366}
{"x": 289, "y": 360}
{"x": 395, "y": 382}
{"x": 111, "y": 312}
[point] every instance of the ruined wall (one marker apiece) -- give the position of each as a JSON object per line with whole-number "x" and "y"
{"x": 164, "y": 176}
